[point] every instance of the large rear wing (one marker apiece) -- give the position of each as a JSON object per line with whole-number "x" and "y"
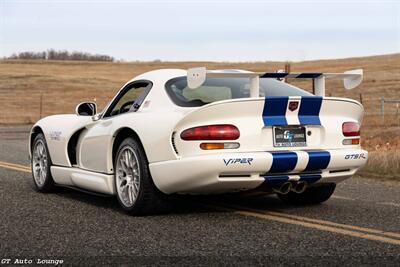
{"x": 351, "y": 79}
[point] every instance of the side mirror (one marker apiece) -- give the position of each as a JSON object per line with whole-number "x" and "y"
{"x": 86, "y": 109}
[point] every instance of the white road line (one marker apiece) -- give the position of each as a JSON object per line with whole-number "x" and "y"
{"x": 380, "y": 203}
{"x": 341, "y": 197}
{"x": 328, "y": 226}
{"x": 390, "y": 204}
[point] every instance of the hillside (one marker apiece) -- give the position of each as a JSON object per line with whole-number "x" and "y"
{"x": 60, "y": 85}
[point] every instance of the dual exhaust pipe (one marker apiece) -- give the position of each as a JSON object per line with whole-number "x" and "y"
{"x": 286, "y": 187}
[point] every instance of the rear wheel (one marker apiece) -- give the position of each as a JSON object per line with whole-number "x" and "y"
{"x": 312, "y": 195}
{"x": 40, "y": 165}
{"x": 136, "y": 191}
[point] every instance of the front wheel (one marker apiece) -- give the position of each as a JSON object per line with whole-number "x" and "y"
{"x": 312, "y": 195}
{"x": 136, "y": 191}
{"x": 40, "y": 165}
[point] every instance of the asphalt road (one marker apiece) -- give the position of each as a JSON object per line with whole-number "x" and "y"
{"x": 359, "y": 225}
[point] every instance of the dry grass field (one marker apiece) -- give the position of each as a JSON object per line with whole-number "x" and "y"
{"x": 33, "y": 89}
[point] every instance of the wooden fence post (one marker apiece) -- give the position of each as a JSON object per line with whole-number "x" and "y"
{"x": 41, "y": 105}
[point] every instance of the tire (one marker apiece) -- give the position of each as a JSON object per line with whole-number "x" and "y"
{"x": 311, "y": 196}
{"x": 135, "y": 189}
{"x": 40, "y": 165}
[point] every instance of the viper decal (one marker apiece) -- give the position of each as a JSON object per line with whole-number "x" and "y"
{"x": 238, "y": 161}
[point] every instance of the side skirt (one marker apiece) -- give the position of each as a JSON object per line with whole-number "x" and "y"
{"x": 83, "y": 190}
{"x": 83, "y": 179}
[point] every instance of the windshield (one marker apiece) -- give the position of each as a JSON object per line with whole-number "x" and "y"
{"x": 216, "y": 89}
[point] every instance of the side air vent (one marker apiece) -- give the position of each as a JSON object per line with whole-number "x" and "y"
{"x": 173, "y": 142}
{"x": 73, "y": 142}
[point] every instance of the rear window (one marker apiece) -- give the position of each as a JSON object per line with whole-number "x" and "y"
{"x": 216, "y": 89}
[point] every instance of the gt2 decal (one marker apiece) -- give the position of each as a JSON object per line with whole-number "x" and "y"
{"x": 355, "y": 156}
{"x": 238, "y": 161}
{"x": 55, "y": 135}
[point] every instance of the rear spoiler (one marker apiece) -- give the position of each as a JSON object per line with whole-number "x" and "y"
{"x": 351, "y": 79}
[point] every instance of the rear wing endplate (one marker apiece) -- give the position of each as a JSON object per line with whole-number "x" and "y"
{"x": 351, "y": 79}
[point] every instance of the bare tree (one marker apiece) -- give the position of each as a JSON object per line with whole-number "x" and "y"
{"x": 52, "y": 54}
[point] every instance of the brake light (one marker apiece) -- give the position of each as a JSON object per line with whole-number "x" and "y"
{"x": 351, "y": 129}
{"x": 211, "y": 132}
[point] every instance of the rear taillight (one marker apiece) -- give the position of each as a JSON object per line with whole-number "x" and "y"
{"x": 211, "y": 146}
{"x": 351, "y": 129}
{"x": 211, "y": 132}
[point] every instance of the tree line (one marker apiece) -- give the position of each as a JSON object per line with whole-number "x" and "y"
{"x": 61, "y": 55}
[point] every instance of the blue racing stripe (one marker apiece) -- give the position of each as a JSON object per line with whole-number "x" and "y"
{"x": 283, "y": 162}
{"x": 317, "y": 160}
{"x": 275, "y": 110}
{"x": 310, "y": 178}
{"x": 275, "y": 180}
{"x": 309, "y": 110}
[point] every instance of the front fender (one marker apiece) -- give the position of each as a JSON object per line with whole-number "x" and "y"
{"x": 57, "y": 130}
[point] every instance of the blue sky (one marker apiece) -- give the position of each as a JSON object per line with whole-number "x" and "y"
{"x": 203, "y": 30}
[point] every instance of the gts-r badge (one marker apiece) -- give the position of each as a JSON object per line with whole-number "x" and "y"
{"x": 355, "y": 156}
{"x": 238, "y": 161}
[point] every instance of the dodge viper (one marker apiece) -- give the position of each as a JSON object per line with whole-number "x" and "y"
{"x": 199, "y": 131}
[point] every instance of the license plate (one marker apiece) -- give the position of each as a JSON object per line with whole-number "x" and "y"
{"x": 291, "y": 136}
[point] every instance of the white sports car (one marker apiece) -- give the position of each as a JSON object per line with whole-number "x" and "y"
{"x": 197, "y": 131}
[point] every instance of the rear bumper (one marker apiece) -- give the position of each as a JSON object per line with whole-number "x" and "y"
{"x": 229, "y": 172}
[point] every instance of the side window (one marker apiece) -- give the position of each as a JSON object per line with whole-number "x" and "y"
{"x": 129, "y": 98}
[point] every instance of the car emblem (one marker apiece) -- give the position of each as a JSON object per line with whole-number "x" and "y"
{"x": 293, "y": 105}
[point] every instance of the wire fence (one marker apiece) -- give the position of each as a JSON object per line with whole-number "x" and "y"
{"x": 386, "y": 102}
{"x": 18, "y": 107}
